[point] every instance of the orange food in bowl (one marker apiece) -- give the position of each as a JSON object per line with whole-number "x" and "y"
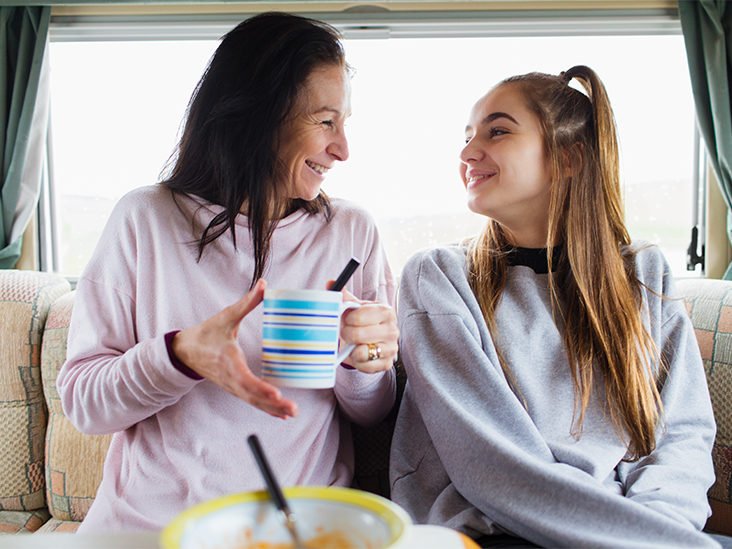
{"x": 325, "y": 540}
{"x": 328, "y": 540}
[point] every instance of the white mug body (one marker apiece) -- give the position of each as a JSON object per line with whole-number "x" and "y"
{"x": 300, "y": 337}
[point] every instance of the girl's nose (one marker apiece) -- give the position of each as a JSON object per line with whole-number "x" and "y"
{"x": 470, "y": 152}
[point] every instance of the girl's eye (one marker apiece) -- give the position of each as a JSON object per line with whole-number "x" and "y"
{"x": 494, "y": 132}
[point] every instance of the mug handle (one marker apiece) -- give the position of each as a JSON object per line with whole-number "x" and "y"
{"x": 348, "y": 349}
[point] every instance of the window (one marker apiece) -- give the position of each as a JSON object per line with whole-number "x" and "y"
{"x": 117, "y": 108}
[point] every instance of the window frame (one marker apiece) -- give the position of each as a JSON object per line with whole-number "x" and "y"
{"x": 364, "y": 23}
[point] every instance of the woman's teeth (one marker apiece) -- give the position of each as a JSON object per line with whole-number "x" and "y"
{"x": 317, "y": 167}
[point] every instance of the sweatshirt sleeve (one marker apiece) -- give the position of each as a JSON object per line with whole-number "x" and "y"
{"x": 490, "y": 450}
{"x": 110, "y": 380}
{"x": 675, "y": 477}
{"x": 366, "y": 399}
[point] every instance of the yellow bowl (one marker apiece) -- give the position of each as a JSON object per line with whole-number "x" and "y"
{"x": 323, "y": 515}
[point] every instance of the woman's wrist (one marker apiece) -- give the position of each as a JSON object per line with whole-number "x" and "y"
{"x": 177, "y": 362}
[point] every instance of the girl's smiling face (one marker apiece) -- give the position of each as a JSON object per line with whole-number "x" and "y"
{"x": 504, "y": 165}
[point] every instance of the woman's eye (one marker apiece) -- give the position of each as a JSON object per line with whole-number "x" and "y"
{"x": 497, "y": 131}
{"x": 328, "y": 123}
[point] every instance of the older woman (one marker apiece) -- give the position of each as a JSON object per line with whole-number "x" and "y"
{"x": 164, "y": 350}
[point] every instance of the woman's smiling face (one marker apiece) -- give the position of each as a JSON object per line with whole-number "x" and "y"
{"x": 314, "y": 138}
{"x": 504, "y": 166}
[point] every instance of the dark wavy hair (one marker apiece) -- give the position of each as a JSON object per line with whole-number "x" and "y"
{"x": 228, "y": 150}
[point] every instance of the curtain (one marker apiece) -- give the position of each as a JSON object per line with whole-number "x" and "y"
{"x": 23, "y": 121}
{"x": 707, "y": 28}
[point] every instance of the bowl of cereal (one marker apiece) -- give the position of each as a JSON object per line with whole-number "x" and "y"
{"x": 326, "y": 517}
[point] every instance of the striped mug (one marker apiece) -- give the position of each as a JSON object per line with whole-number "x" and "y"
{"x": 300, "y": 335}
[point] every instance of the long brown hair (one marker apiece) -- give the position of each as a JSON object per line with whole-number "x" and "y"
{"x": 595, "y": 294}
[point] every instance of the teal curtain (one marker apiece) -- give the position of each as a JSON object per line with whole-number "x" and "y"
{"x": 707, "y": 28}
{"x": 23, "y": 121}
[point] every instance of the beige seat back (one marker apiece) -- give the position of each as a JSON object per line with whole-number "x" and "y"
{"x": 709, "y": 303}
{"x": 73, "y": 460}
{"x": 25, "y": 299}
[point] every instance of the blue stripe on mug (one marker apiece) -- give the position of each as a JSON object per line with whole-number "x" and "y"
{"x": 306, "y": 305}
{"x": 299, "y": 334}
{"x": 309, "y": 315}
{"x": 277, "y": 374}
{"x": 282, "y": 351}
{"x": 320, "y": 370}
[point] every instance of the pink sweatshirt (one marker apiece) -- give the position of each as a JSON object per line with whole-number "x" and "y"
{"x": 178, "y": 441}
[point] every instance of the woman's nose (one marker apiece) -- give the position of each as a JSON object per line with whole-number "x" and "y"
{"x": 339, "y": 147}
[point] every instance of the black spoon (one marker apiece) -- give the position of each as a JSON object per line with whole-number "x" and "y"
{"x": 274, "y": 489}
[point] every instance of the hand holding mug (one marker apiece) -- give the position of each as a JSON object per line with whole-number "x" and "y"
{"x": 372, "y": 328}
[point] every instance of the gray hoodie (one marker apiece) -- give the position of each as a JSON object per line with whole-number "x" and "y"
{"x": 467, "y": 454}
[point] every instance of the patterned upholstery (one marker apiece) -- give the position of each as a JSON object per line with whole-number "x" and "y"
{"x": 60, "y": 526}
{"x": 709, "y": 303}
{"x": 24, "y": 303}
{"x": 22, "y": 522}
{"x": 73, "y": 460}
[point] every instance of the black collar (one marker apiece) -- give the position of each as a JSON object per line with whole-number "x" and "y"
{"x": 535, "y": 258}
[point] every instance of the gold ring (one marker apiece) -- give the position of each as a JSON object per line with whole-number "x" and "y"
{"x": 374, "y": 351}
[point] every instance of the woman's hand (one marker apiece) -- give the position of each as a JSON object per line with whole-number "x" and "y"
{"x": 371, "y": 325}
{"x": 211, "y": 350}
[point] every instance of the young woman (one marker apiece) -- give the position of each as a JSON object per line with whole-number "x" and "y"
{"x": 164, "y": 351}
{"x": 555, "y": 393}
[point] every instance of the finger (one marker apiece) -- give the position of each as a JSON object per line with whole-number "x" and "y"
{"x": 387, "y": 351}
{"x": 282, "y": 409}
{"x": 374, "y": 366}
{"x": 359, "y": 357}
{"x": 386, "y": 362}
{"x": 370, "y": 314}
{"x": 265, "y": 396}
{"x": 257, "y": 388}
{"x": 246, "y": 304}
{"x": 372, "y": 333}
